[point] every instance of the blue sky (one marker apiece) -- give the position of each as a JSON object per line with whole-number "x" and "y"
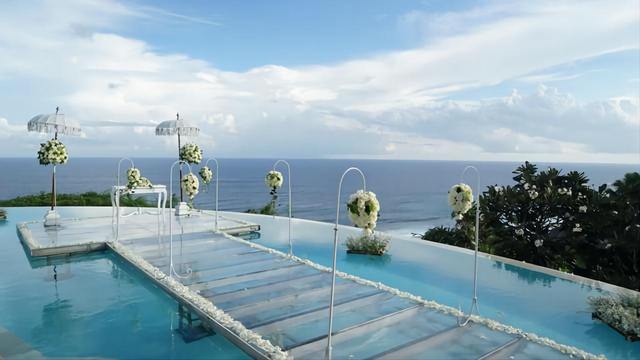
{"x": 287, "y": 33}
{"x": 457, "y": 80}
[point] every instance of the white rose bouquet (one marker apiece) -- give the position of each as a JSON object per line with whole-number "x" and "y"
{"x": 191, "y": 153}
{"x": 274, "y": 180}
{"x": 460, "y": 199}
{"x": 52, "y": 152}
{"x": 190, "y": 185}
{"x": 363, "y": 209}
{"x": 206, "y": 174}
{"x": 135, "y": 180}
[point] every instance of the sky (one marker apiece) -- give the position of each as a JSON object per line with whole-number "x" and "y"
{"x": 551, "y": 81}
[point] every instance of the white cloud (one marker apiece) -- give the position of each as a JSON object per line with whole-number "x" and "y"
{"x": 401, "y": 104}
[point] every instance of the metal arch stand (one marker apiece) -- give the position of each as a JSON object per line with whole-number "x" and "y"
{"x": 116, "y": 210}
{"x": 474, "y": 303}
{"x": 206, "y": 165}
{"x": 327, "y": 355}
{"x": 172, "y": 270}
{"x": 289, "y": 173}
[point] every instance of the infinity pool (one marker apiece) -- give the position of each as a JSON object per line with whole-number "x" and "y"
{"x": 536, "y": 302}
{"x": 97, "y": 307}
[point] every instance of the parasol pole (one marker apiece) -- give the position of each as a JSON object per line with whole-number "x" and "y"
{"x": 179, "y": 147}
{"x": 53, "y": 176}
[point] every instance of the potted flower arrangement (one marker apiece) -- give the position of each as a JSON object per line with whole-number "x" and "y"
{"x": 621, "y": 313}
{"x": 135, "y": 180}
{"x": 363, "y": 207}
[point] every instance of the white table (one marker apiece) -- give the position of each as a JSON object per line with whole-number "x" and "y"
{"x": 117, "y": 191}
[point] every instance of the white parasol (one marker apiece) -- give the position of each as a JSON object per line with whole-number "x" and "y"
{"x": 177, "y": 127}
{"x": 54, "y": 123}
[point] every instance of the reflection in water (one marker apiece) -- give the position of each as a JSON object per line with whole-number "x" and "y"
{"x": 374, "y": 261}
{"x": 254, "y": 235}
{"x": 57, "y": 314}
{"x": 530, "y": 277}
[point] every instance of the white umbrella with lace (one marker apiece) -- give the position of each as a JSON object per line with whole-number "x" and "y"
{"x": 178, "y": 127}
{"x": 58, "y": 124}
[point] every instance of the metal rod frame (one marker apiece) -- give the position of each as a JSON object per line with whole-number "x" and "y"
{"x": 118, "y": 199}
{"x": 206, "y": 165}
{"x": 172, "y": 270}
{"x": 289, "y": 182}
{"x": 474, "y": 303}
{"x": 120, "y": 162}
{"x": 327, "y": 355}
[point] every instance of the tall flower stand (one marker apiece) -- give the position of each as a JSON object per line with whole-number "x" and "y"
{"x": 52, "y": 218}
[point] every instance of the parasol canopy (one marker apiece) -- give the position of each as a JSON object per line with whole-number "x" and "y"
{"x": 177, "y": 127}
{"x": 54, "y": 123}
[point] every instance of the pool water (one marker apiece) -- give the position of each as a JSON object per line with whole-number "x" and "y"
{"x": 533, "y": 301}
{"x": 94, "y": 307}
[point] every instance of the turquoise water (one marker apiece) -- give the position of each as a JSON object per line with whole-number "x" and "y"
{"x": 98, "y": 307}
{"x": 533, "y": 301}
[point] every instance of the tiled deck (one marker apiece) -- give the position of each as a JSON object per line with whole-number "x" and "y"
{"x": 91, "y": 233}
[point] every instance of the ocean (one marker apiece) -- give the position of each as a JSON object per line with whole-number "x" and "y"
{"x": 412, "y": 194}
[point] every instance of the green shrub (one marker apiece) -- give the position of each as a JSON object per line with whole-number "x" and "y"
{"x": 557, "y": 221}
{"x": 90, "y": 198}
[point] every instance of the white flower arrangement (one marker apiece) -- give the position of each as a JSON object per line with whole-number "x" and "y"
{"x": 274, "y": 180}
{"x": 363, "y": 207}
{"x": 619, "y": 312}
{"x": 52, "y": 152}
{"x": 190, "y": 184}
{"x": 564, "y": 191}
{"x": 583, "y": 209}
{"x": 206, "y": 174}
{"x": 538, "y": 242}
{"x": 376, "y": 244}
{"x": 191, "y": 153}
{"x": 533, "y": 194}
{"x": 519, "y": 232}
{"x": 460, "y": 199}
{"x": 135, "y": 180}
{"x": 577, "y": 228}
